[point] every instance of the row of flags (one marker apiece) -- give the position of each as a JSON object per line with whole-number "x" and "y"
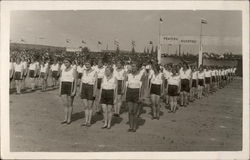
{"x": 116, "y": 42}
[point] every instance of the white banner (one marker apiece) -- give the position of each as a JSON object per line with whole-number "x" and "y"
{"x": 166, "y": 39}
{"x": 69, "y": 49}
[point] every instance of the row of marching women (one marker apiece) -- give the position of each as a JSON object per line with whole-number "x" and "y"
{"x": 104, "y": 88}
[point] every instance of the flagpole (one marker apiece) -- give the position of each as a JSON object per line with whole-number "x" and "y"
{"x": 159, "y": 45}
{"x": 200, "y": 50}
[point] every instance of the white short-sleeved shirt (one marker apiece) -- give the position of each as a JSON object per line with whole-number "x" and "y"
{"x": 18, "y": 67}
{"x": 74, "y": 66}
{"x": 207, "y": 73}
{"x": 167, "y": 74}
{"x": 134, "y": 81}
{"x": 67, "y": 76}
{"x": 108, "y": 83}
{"x": 32, "y": 66}
{"x": 156, "y": 79}
{"x": 213, "y": 72}
{"x": 80, "y": 69}
{"x": 201, "y": 75}
{"x": 120, "y": 75}
{"x": 43, "y": 68}
{"x": 55, "y": 67}
{"x": 89, "y": 78}
{"x": 194, "y": 74}
{"x": 185, "y": 74}
{"x": 63, "y": 67}
{"x": 25, "y": 64}
{"x": 100, "y": 72}
{"x": 174, "y": 80}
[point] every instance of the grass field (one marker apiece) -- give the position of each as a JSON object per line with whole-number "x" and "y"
{"x": 210, "y": 124}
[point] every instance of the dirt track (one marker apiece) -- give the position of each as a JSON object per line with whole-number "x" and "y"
{"x": 210, "y": 124}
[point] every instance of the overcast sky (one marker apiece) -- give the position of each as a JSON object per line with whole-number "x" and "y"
{"x": 106, "y": 26}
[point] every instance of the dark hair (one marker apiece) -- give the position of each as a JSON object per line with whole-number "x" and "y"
{"x": 68, "y": 59}
{"x": 90, "y": 61}
{"x": 110, "y": 68}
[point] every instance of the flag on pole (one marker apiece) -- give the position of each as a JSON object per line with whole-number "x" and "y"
{"x": 99, "y": 42}
{"x": 83, "y": 42}
{"x": 161, "y": 20}
{"x": 116, "y": 42}
{"x": 67, "y": 40}
{"x": 133, "y": 43}
{"x": 22, "y": 40}
{"x": 204, "y": 21}
{"x": 150, "y": 42}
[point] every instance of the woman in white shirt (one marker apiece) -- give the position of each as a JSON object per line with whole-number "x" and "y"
{"x": 68, "y": 89}
{"x": 173, "y": 88}
{"x": 185, "y": 75}
{"x": 25, "y": 71}
{"x": 208, "y": 77}
{"x": 88, "y": 91}
{"x": 100, "y": 70}
{"x": 11, "y": 71}
{"x": 167, "y": 73}
{"x": 18, "y": 74}
{"x": 194, "y": 80}
{"x": 201, "y": 81}
{"x": 32, "y": 71}
{"x": 213, "y": 74}
{"x": 133, "y": 94}
{"x": 120, "y": 74}
{"x": 55, "y": 73}
{"x": 79, "y": 70}
{"x": 108, "y": 95}
{"x": 44, "y": 75}
{"x": 156, "y": 90}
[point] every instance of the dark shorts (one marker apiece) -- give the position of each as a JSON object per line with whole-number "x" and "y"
{"x": 166, "y": 83}
{"x": 155, "y": 89}
{"x": 99, "y": 82}
{"x": 67, "y": 88}
{"x": 17, "y": 76}
{"x": 194, "y": 83}
{"x": 201, "y": 82}
{"x": 87, "y": 91}
{"x": 213, "y": 79}
{"x": 173, "y": 90}
{"x": 32, "y": 74}
{"x": 207, "y": 80}
{"x": 79, "y": 75}
{"x": 43, "y": 76}
{"x": 132, "y": 95}
{"x": 223, "y": 78}
{"x": 185, "y": 85}
{"x": 107, "y": 97}
{"x": 55, "y": 75}
{"x": 119, "y": 87}
{"x": 24, "y": 75}
{"x": 37, "y": 75}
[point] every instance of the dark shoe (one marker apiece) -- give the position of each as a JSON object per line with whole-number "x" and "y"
{"x": 63, "y": 122}
{"x": 104, "y": 127}
{"x": 108, "y": 127}
{"x": 84, "y": 124}
{"x": 88, "y": 125}
{"x": 68, "y": 122}
{"x": 133, "y": 130}
{"x": 130, "y": 130}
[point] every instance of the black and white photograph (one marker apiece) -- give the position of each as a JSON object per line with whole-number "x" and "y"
{"x": 95, "y": 78}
